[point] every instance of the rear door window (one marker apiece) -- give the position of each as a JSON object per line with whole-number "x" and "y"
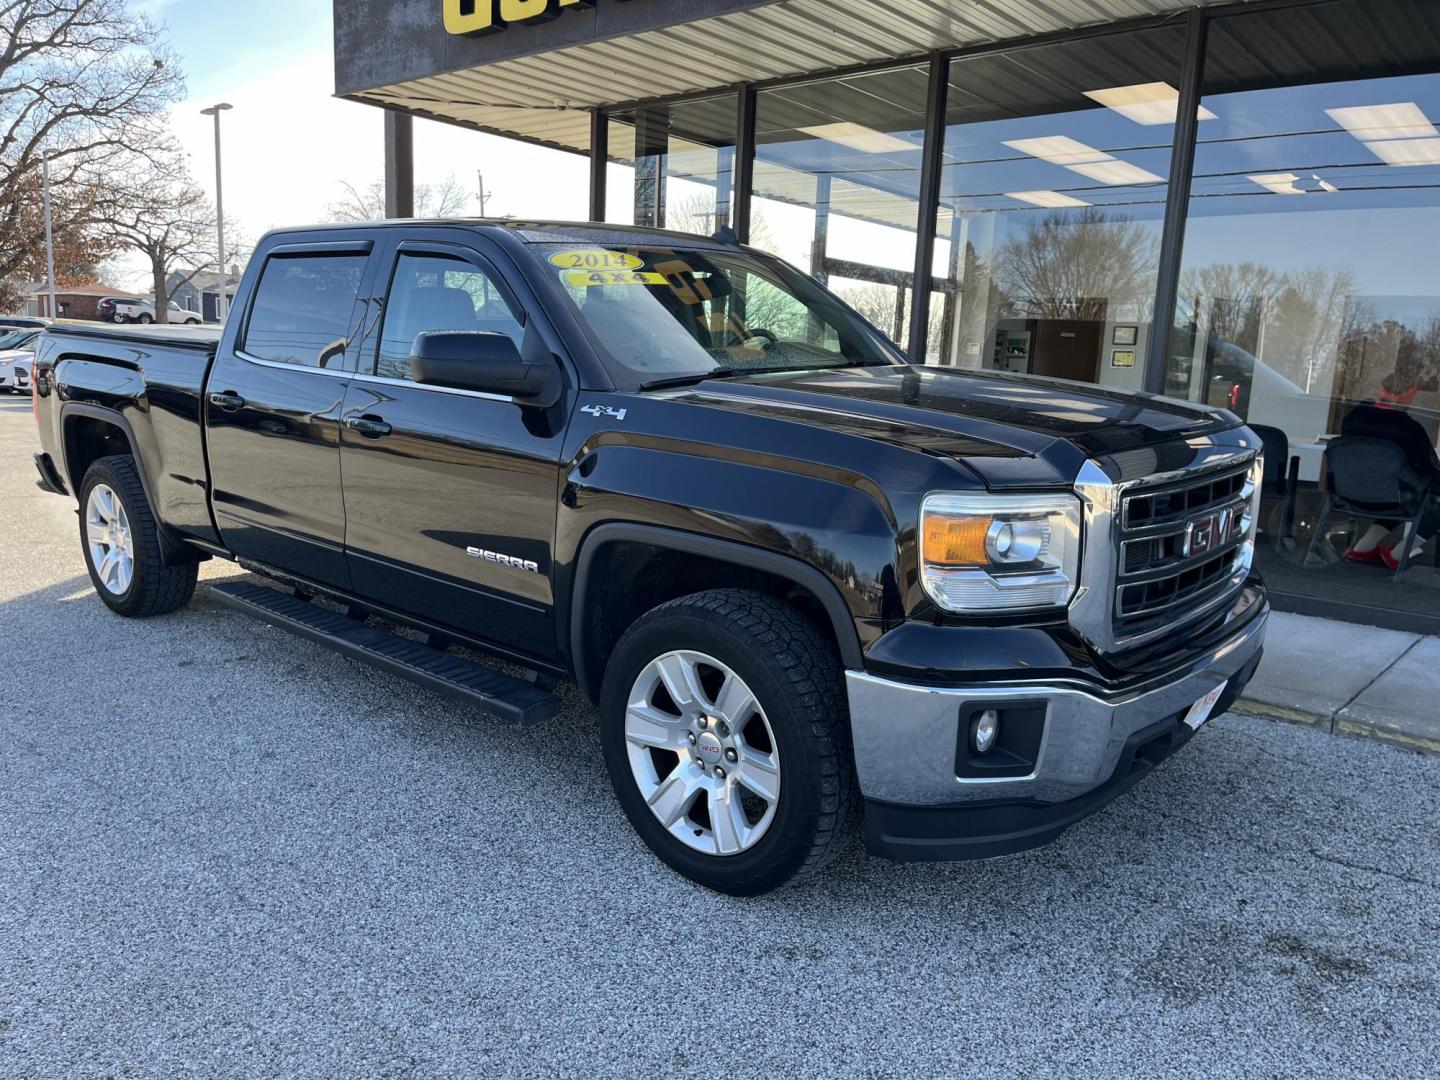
{"x": 304, "y": 309}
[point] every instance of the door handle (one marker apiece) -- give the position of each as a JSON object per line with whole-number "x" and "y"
{"x": 228, "y": 400}
{"x": 372, "y": 427}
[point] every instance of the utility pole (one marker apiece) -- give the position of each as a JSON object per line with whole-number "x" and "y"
{"x": 224, "y": 279}
{"x": 484, "y": 195}
{"x": 49, "y": 234}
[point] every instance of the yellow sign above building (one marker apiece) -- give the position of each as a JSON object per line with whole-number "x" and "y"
{"x": 484, "y": 16}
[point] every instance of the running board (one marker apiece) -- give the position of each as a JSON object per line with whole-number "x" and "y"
{"x": 513, "y": 700}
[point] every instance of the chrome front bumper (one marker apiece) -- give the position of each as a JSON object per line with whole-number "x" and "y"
{"x": 906, "y": 735}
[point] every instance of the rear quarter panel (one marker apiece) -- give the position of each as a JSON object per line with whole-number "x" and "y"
{"x": 155, "y": 388}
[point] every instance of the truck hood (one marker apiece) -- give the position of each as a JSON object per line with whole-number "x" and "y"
{"x": 1000, "y": 425}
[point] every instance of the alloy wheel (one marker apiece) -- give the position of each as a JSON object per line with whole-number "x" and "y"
{"x": 107, "y": 533}
{"x": 702, "y": 752}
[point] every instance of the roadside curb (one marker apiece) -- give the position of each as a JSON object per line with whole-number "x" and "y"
{"x": 1340, "y": 722}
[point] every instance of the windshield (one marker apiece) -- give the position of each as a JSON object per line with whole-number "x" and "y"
{"x": 17, "y": 339}
{"x": 661, "y": 313}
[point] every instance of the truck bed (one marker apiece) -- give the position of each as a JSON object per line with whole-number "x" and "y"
{"x": 199, "y": 338}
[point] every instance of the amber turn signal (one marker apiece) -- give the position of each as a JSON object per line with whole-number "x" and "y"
{"x": 951, "y": 541}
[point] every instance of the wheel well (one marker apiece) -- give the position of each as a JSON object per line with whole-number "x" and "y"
{"x": 628, "y": 578}
{"x": 87, "y": 440}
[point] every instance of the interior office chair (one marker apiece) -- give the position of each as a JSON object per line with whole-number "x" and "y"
{"x": 1282, "y": 475}
{"x": 1373, "y": 479}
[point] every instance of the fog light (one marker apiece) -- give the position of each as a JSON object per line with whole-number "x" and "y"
{"x": 985, "y": 731}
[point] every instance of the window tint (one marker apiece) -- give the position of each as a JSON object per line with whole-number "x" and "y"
{"x": 436, "y": 292}
{"x": 304, "y": 306}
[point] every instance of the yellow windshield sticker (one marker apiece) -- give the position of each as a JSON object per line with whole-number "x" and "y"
{"x": 588, "y": 279}
{"x": 596, "y": 259}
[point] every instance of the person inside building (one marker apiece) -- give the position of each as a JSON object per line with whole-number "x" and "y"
{"x": 1387, "y": 418}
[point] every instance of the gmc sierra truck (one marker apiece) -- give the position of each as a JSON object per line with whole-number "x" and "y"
{"x": 804, "y": 579}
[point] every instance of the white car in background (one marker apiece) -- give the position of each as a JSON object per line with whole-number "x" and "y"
{"x": 143, "y": 311}
{"x": 17, "y": 352}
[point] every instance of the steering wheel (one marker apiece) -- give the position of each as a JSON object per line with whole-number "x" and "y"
{"x": 756, "y": 332}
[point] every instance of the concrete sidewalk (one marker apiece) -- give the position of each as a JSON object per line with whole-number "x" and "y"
{"x": 1350, "y": 680}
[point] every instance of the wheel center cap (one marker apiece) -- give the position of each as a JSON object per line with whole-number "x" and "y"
{"x": 708, "y": 747}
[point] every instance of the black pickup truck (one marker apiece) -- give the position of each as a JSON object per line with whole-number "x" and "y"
{"x": 802, "y": 577}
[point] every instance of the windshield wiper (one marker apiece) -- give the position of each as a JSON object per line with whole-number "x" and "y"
{"x": 686, "y": 380}
{"x": 729, "y": 373}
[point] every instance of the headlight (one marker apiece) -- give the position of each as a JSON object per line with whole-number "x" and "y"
{"x": 999, "y": 552}
{"x": 1250, "y": 522}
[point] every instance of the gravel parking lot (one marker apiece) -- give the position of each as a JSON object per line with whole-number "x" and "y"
{"x": 224, "y": 851}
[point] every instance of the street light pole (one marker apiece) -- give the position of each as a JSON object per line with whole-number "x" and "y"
{"x": 49, "y": 233}
{"x": 215, "y": 111}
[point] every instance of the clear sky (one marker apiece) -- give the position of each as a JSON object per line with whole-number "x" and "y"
{"x": 288, "y": 144}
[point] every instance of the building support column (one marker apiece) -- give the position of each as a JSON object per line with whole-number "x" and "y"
{"x": 1177, "y": 205}
{"x": 820, "y": 242}
{"x": 931, "y": 162}
{"x": 599, "y": 163}
{"x": 652, "y": 144}
{"x": 399, "y": 165}
{"x": 744, "y": 165}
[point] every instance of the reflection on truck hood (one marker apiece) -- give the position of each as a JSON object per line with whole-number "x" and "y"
{"x": 994, "y": 421}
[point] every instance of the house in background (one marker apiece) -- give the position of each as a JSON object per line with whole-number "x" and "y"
{"x": 202, "y": 292}
{"x": 72, "y": 301}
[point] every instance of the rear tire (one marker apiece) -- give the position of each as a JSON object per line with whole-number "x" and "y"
{"x": 791, "y": 733}
{"x": 121, "y": 542}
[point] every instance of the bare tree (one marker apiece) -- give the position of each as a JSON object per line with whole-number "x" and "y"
{"x": 82, "y": 82}
{"x": 1236, "y": 295}
{"x": 1297, "y": 318}
{"x": 443, "y": 200}
{"x": 1077, "y": 265}
{"x": 696, "y": 214}
{"x": 156, "y": 208}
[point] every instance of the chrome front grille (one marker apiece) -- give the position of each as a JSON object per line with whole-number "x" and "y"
{"x": 1164, "y": 548}
{"x": 1181, "y": 544}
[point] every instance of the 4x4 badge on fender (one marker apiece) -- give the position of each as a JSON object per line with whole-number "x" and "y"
{"x": 603, "y": 410}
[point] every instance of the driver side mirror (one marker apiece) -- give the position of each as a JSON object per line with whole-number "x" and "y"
{"x": 485, "y": 362}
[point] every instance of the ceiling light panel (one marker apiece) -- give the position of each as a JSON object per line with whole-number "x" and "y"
{"x": 1145, "y": 103}
{"x": 1058, "y": 150}
{"x": 859, "y": 137}
{"x": 1401, "y": 120}
{"x": 1117, "y": 172}
{"x": 1407, "y": 151}
{"x": 1048, "y": 199}
{"x": 1279, "y": 183}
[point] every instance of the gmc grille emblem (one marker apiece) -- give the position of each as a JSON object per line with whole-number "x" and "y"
{"x": 1209, "y": 532}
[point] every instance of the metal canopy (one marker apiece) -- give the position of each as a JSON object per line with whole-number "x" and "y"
{"x": 545, "y": 96}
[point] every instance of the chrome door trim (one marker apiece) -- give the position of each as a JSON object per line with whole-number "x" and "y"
{"x": 380, "y": 379}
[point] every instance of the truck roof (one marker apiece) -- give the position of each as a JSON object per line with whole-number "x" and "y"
{"x": 535, "y": 232}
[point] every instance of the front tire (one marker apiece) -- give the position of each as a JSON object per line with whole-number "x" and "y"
{"x": 726, "y": 735}
{"x": 145, "y": 318}
{"x": 121, "y": 542}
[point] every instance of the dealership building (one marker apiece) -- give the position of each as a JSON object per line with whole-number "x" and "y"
{"x": 1237, "y": 203}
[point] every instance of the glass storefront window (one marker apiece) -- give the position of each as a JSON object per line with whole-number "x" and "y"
{"x": 1053, "y": 187}
{"x": 673, "y": 166}
{"x": 837, "y": 185}
{"x": 1309, "y": 291}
